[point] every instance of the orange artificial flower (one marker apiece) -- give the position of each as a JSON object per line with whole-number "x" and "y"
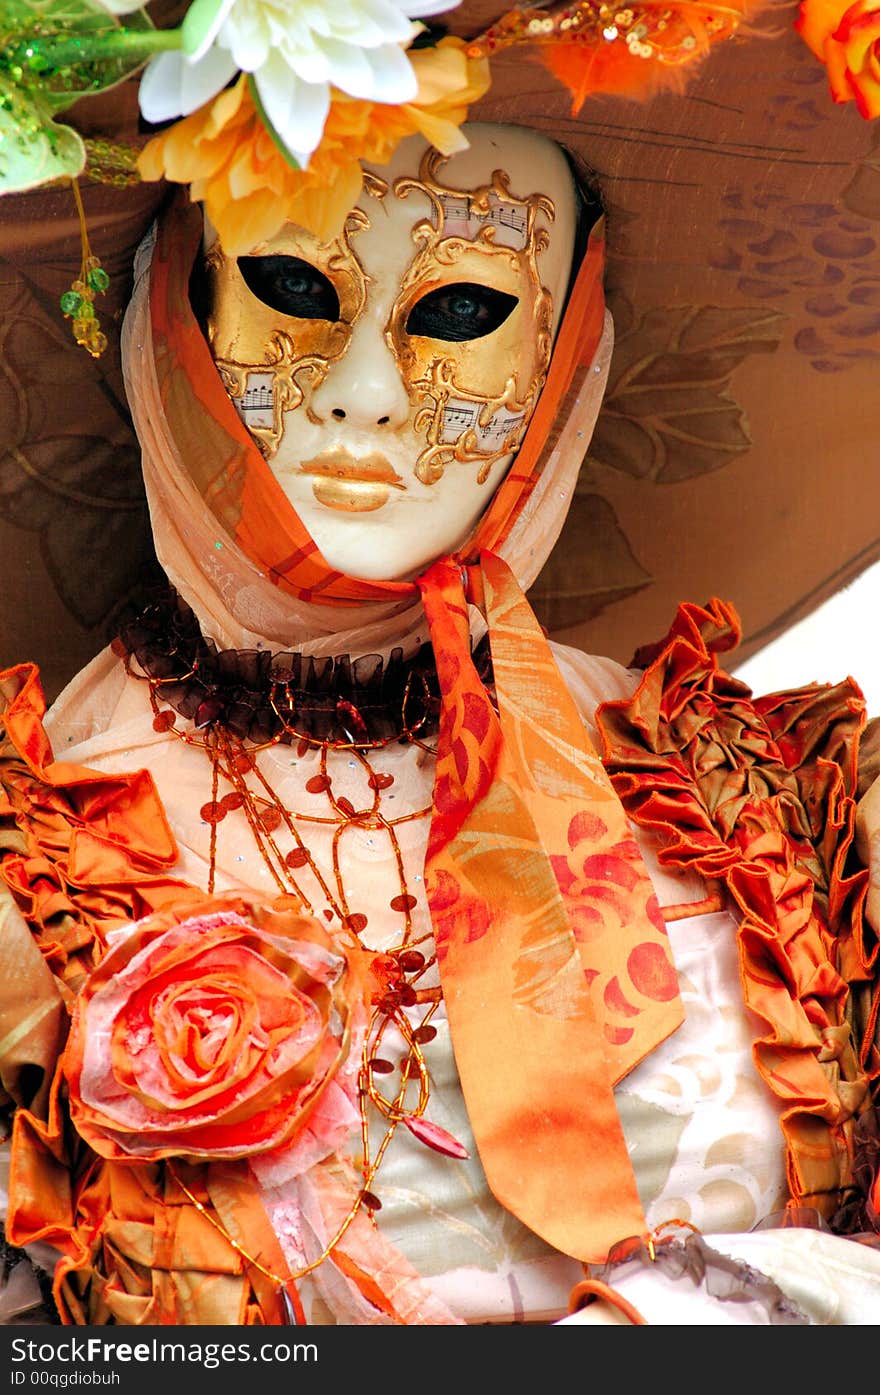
{"x": 220, "y": 1031}
{"x": 846, "y": 37}
{"x": 249, "y": 190}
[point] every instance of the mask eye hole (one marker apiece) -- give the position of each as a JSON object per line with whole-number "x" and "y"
{"x": 460, "y": 311}
{"x": 291, "y": 285}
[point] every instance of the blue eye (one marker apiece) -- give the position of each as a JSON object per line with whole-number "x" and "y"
{"x": 291, "y": 285}
{"x": 459, "y": 312}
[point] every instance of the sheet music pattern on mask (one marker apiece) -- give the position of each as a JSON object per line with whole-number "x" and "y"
{"x": 462, "y": 219}
{"x": 256, "y": 406}
{"x": 460, "y": 416}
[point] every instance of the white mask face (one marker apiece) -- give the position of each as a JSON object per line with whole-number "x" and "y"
{"x": 389, "y": 376}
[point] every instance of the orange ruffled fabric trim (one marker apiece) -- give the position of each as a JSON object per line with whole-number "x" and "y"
{"x": 760, "y": 793}
{"x": 142, "y": 1250}
{"x": 81, "y": 852}
{"x": 139, "y": 1248}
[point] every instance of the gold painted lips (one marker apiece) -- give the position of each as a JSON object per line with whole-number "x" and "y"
{"x": 350, "y": 483}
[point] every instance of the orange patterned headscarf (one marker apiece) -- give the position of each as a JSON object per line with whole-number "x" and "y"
{"x": 553, "y": 954}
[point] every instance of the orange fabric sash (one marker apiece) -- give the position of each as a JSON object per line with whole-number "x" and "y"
{"x": 555, "y": 959}
{"x": 553, "y": 953}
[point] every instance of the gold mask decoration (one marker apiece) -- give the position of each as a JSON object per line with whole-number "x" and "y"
{"x": 467, "y": 404}
{"x": 271, "y": 362}
{"x": 470, "y": 405}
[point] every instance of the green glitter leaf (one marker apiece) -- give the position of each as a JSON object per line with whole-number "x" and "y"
{"x": 33, "y": 148}
{"x": 64, "y": 49}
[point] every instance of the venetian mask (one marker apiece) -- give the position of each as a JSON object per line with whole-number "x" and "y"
{"x": 389, "y": 375}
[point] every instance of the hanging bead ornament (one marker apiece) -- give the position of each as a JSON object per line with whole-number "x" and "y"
{"x": 78, "y": 304}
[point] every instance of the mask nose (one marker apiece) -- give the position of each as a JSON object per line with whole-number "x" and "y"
{"x": 364, "y": 388}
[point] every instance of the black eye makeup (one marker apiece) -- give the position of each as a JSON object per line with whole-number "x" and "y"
{"x": 459, "y": 312}
{"x": 291, "y": 285}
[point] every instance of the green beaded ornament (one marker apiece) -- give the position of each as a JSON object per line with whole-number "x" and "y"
{"x": 77, "y": 303}
{"x": 70, "y": 302}
{"x": 98, "y": 279}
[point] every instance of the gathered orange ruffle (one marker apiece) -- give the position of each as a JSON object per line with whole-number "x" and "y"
{"x": 80, "y": 851}
{"x": 148, "y": 1243}
{"x": 760, "y": 793}
{"x": 151, "y": 1254}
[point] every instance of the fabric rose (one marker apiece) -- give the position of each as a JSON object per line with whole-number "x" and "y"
{"x": 846, "y": 38}
{"x": 221, "y": 1031}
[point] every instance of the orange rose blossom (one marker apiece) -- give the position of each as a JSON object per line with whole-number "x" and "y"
{"x": 846, "y": 37}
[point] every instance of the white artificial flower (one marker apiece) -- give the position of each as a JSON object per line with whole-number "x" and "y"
{"x": 296, "y": 50}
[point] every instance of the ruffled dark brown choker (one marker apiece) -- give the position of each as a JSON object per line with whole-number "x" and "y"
{"x": 260, "y": 696}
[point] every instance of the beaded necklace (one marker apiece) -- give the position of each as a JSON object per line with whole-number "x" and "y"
{"x": 235, "y": 706}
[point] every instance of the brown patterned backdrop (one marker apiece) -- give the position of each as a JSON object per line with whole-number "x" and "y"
{"x": 735, "y": 453}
